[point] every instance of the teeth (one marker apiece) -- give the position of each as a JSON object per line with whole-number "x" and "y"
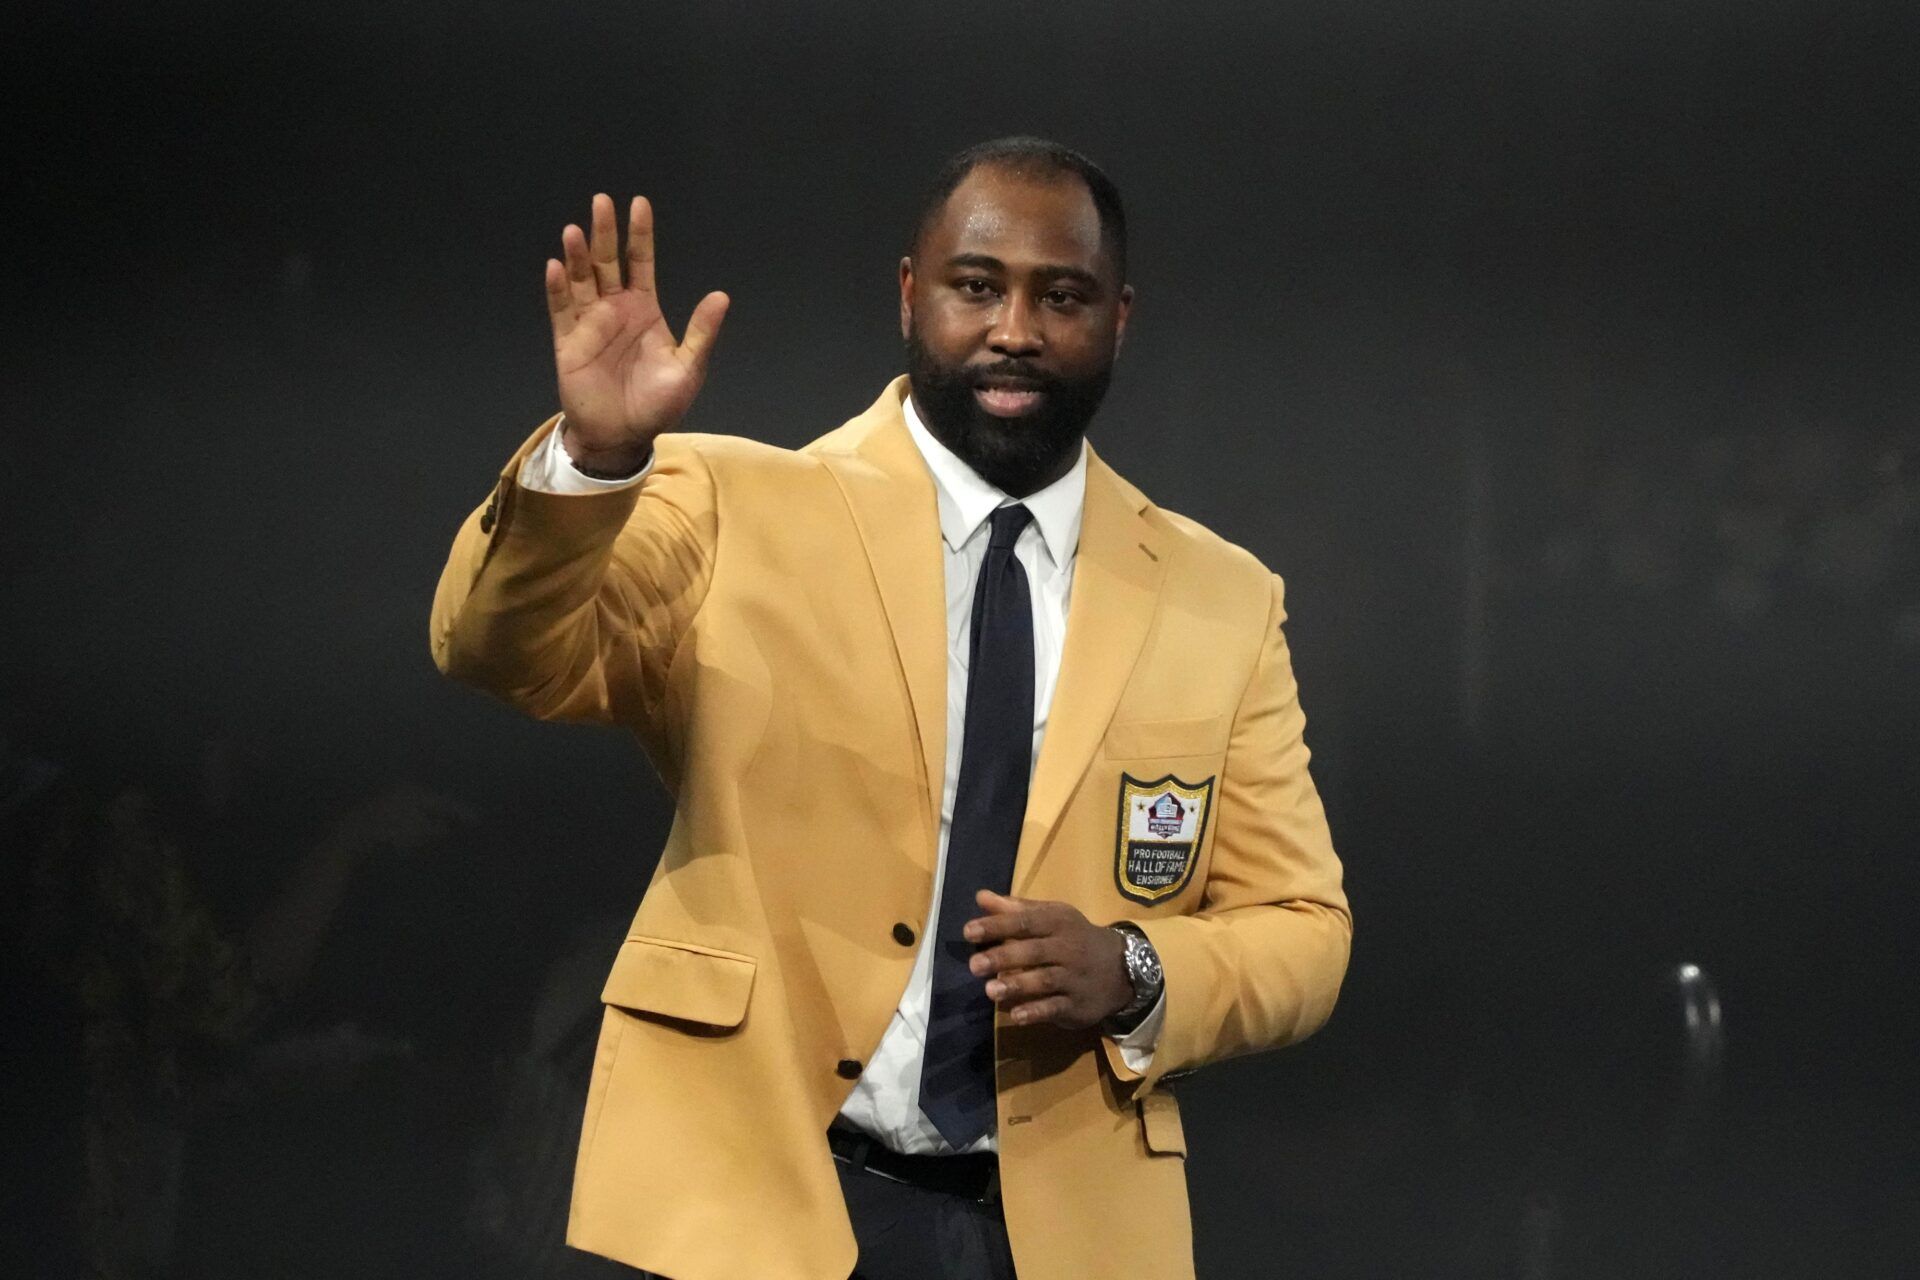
{"x": 1006, "y": 400}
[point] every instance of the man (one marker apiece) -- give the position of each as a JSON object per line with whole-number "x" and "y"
{"x": 941, "y": 699}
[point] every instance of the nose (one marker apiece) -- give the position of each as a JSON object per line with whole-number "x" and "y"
{"x": 1015, "y": 330}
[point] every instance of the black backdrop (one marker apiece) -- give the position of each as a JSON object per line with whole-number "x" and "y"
{"x": 1560, "y": 357}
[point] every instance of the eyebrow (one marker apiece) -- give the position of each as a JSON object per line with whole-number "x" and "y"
{"x": 1052, "y": 270}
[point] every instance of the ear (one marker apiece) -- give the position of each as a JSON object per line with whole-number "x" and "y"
{"x": 1121, "y": 312}
{"x": 906, "y": 295}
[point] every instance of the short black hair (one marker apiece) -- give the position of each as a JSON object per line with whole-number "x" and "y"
{"x": 1031, "y": 157}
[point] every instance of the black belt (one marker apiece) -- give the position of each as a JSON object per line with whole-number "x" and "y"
{"x": 974, "y": 1176}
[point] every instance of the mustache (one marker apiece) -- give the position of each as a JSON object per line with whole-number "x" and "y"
{"x": 1012, "y": 371}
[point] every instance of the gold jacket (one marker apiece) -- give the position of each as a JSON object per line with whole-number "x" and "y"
{"x": 771, "y": 624}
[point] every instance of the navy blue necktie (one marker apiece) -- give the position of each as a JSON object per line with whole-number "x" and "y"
{"x": 989, "y": 806}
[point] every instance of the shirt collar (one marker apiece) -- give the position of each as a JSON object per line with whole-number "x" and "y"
{"x": 966, "y": 500}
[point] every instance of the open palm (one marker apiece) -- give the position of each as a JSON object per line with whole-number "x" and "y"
{"x": 623, "y": 377}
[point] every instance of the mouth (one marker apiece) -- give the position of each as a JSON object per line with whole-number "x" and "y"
{"x": 1008, "y": 397}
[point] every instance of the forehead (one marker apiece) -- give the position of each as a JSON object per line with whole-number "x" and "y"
{"x": 1018, "y": 218}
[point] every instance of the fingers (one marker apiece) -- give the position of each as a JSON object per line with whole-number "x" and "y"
{"x": 640, "y": 245}
{"x": 589, "y": 268}
{"x": 581, "y": 284}
{"x": 1007, "y": 918}
{"x": 604, "y": 248}
{"x": 1027, "y": 984}
{"x": 1051, "y": 1009}
{"x": 1050, "y": 993}
{"x": 1020, "y": 954}
{"x": 560, "y": 308}
{"x": 703, "y": 330}
{"x": 585, "y": 270}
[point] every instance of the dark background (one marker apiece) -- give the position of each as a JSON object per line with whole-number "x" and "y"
{"x": 1561, "y": 357}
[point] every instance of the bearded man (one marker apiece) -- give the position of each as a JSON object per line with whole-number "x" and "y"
{"x": 993, "y": 811}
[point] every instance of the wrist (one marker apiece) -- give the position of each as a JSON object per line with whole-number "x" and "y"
{"x": 618, "y": 462}
{"x": 1140, "y": 965}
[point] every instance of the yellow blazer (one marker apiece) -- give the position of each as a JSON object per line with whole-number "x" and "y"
{"x": 772, "y": 625}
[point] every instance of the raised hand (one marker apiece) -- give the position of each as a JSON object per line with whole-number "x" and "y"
{"x": 623, "y": 377}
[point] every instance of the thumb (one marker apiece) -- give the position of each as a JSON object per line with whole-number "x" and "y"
{"x": 703, "y": 329}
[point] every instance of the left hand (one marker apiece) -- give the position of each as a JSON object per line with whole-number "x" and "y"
{"x": 1045, "y": 962}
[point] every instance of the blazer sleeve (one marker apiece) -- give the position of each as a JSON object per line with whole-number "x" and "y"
{"x": 571, "y": 606}
{"x": 1260, "y": 963}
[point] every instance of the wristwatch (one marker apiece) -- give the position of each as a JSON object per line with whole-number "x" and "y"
{"x": 1143, "y": 971}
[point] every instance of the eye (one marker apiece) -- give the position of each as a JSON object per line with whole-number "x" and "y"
{"x": 974, "y": 287}
{"x": 1061, "y": 298}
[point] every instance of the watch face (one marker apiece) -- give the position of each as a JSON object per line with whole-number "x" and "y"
{"x": 1151, "y": 963}
{"x": 1142, "y": 962}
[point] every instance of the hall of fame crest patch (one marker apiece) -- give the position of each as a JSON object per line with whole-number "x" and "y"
{"x": 1162, "y": 824}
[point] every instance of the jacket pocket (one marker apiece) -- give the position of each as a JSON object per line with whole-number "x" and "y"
{"x": 1160, "y": 1126}
{"x": 1138, "y": 739}
{"x": 680, "y": 980}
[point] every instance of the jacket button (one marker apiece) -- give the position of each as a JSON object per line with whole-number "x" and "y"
{"x": 903, "y": 934}
{"x": 849, "y": 1069}
{"x": 486, "y": 518}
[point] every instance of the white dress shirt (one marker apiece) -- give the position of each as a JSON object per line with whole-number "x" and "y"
{"x": 886, "y": 1099}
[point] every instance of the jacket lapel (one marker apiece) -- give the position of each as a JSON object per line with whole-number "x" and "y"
{"x": 891, "y": 496}
{"x": 1116, "y": 581}
{"x": 1117, "y": 573}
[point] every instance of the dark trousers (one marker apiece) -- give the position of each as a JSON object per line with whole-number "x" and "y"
{"x": 908, "y": 1233}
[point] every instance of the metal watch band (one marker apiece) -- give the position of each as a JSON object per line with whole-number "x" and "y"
{"x": 1143, "y": 971}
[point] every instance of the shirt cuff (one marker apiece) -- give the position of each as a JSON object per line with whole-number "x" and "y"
{"x": 549, "y": 469}
{"x": 1136, "y": 1047}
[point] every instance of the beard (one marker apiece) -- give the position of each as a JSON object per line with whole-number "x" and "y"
{"x": 1015, "y": 455}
